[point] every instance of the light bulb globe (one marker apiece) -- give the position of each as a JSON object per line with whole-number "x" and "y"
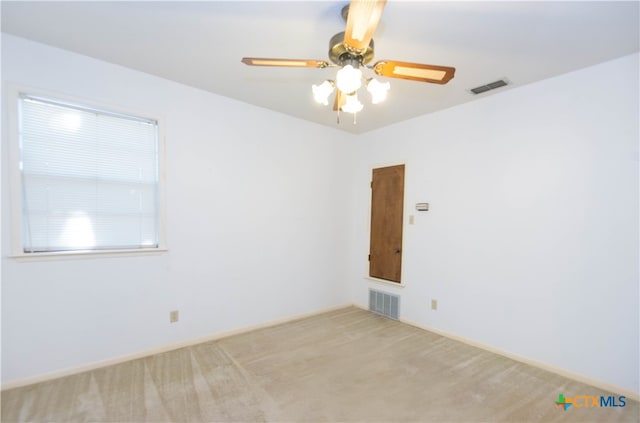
{"x": 352, "y": 104}
{"x": 349, "y": 79}
{"x": 322, "y": 92}
{"x": 378, "y": 90}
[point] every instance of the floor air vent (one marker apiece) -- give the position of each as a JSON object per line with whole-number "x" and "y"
{"x": 384, "y": 304}
{"x": 489, "y": 87}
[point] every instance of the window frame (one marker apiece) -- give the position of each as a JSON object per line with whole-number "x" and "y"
{"x": 16, "y": 250}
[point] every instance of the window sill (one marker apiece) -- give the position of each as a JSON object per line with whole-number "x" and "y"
{"x": 385, "y": 282}
{"x": 61, "y": 255}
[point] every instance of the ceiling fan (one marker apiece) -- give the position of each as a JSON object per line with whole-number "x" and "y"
{"x": 352, "y": 50}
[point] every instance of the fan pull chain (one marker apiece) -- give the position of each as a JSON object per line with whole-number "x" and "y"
{"x": 338, "y": 118}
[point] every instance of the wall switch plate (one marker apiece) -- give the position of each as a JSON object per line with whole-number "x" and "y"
{"x": 434, "y": 304}
{"x": 173, "y": 316}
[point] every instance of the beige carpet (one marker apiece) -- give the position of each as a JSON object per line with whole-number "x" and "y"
{"x": 347, "y": 365}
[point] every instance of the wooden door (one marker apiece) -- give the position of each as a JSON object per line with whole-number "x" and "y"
{"x": 387, "y": 201}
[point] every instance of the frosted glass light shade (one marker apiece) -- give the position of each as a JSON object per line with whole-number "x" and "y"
{"x": 322, "y": 92}
{"x": 349, "y": 79}
{"x": 378, "y": 90}
{"x": 352, "y": 105}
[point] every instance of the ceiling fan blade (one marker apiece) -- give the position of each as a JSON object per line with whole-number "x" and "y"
{"x": 339, "y": 101}
{"x": 362, "y": 21}
{"x": 414, "y": 71}
{"x": 289, "y": 63}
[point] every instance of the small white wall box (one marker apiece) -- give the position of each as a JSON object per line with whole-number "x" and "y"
{"x": 422, "y": 206}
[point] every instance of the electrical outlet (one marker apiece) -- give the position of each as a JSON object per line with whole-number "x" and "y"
{"x": 173, "y": 316}
{"x": 434, "y": 304}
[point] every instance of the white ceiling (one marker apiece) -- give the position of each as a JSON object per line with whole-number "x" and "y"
{"x": 201, "y": 43}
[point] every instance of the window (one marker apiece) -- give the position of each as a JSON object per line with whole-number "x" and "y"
{"x": 89, "y": 178}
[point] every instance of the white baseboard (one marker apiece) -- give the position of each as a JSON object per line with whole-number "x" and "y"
{"x": 165, "y": 348}
{"x": 526, "y": 360}
{"x": 141, "y": 354}
{"x": 535, "y": 363}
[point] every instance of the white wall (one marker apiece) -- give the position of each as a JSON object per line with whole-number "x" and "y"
{"x": 531, "y": 243}
{"x": 253, "y": 232}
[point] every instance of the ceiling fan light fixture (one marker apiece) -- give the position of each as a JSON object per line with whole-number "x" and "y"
{"x": 322, "y": 92}
{"x": 351, "y": 50}
{"x": 352, "y": 104}
{"x": 349, "y": 79}
{"x": 378, "y": 90}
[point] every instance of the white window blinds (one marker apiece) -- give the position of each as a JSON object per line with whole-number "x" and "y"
{"x": 89, "y": 178}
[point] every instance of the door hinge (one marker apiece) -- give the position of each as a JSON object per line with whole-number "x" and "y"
{"x": 371, "y": 185}
{"x": 369, "y": 258}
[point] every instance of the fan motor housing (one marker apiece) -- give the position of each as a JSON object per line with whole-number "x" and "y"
{"x": 340, "y": 54}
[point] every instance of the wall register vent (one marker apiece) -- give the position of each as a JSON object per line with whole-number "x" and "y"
{"x": 489, "y": 87}
{"x": 384, "y": 304}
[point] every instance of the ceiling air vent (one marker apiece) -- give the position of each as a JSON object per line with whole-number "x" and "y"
{"x": 492, "y": 86}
